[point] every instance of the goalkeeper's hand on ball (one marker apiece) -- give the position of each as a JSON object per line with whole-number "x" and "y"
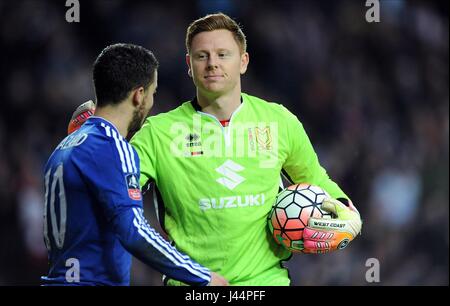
{"x": 80, "y": 115}
{"x": 326, "y": 235}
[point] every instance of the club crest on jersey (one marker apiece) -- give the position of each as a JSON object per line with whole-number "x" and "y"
{"x": 264, "y": 138}
{"x": 134, "y": 192}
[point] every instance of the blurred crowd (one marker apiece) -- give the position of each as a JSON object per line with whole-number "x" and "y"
{"x": 373, "y": 98}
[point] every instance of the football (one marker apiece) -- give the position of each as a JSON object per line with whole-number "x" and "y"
{"x": 291, "y": 211}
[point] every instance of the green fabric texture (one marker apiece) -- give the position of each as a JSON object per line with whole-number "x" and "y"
{"x": 218, "y": 184}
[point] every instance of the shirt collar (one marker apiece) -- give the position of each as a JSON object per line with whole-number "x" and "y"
{"x": 198, "y": 108}
{"x": 98, "y": 120}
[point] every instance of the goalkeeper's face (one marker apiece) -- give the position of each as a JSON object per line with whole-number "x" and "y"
{"x": 216, "y": 62}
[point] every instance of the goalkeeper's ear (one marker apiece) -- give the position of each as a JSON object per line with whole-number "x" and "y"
{"x": 80, "y": 115}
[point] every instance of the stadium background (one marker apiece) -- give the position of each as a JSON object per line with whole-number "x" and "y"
{"x": 373, "y": 97}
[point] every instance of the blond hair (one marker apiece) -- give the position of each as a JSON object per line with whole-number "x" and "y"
{"x": 213, "y": 22}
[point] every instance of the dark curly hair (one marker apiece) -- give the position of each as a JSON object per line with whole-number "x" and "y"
{"x": 119, "y": 69}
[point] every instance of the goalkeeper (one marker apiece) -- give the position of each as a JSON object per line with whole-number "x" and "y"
{"x": 215, "y": 165}
{"x": 216, "y": 162}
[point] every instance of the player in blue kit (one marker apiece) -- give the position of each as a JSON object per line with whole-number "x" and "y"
{"x": 93, "y": 216}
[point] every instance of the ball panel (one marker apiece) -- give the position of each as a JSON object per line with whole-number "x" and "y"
{"x": 274, "y": 221}
{"x": 317, "y": 190}
{"x": 306, "y": 214}
{"x": 295, "y": 235}
{"x": 294, "y": 224}
{"x": 320, "y": 198}
{"x": 307, "y": 194}
{"x": 285, "y": 199}
{"x": 316, "y": 213}
{"x": 293, "y": 210}
{"x": 281, "y": 216}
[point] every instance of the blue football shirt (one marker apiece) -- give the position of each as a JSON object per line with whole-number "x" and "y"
{"x": 93, "y": 216}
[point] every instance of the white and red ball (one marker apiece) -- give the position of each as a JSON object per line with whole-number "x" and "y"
{"x": 290, "y": 214}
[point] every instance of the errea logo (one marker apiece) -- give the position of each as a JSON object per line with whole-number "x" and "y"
{"x": 231, "y": 179}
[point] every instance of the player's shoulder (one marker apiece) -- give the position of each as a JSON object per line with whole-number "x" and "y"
{"x": 107, "y": 146}
{"x": 164, "y": 120}
{"x": 273, "y": 109}
{"x": 102, "y": 137}
{"x": 81, "y": 146}
{"x": 98, "y": 131}
{"x": 82, "y": 140}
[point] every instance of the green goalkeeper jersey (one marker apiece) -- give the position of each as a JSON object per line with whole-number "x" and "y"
{"x": 218, "y": 183}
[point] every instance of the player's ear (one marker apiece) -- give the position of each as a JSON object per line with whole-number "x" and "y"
{"x": 138, "y": 96}
{"x": 245, "y": 58}
{"x": 188, "y": 62}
